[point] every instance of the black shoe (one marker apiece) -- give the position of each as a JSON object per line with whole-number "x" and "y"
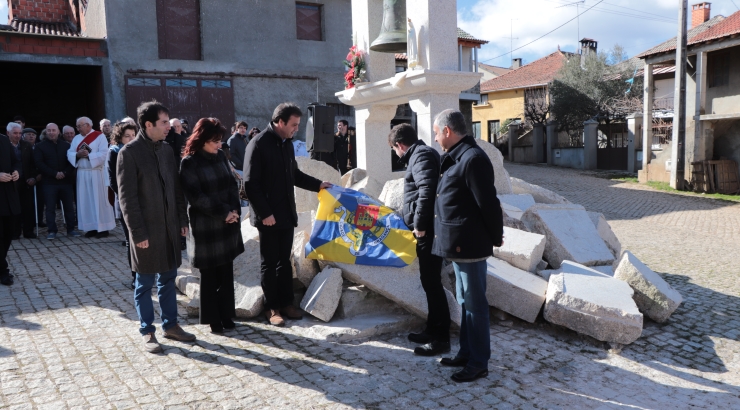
{"x": 217, "y": 329}
{"x": 421, "y": 338}
{"x": 469, "y": 374}
{"x": 454, "y": 362}
{"x": 6, "y": 280}
{"x": 123, "y": 243}
{"x": 133, "y": 284}
{"x": 42, "y": 225}
{"x": 90, "y": 234}
{"x": 103, "y": 234}
{"x": 432, "y": 349}
{"x": 16, "y": 237}
{"x": 30, "y": 236}
{"x": 228, "y": 324}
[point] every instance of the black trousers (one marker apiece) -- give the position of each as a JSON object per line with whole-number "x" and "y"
{"x": 217, "y": 294}
{"x": 7, "y": 225}
{"x": 277, "y": 274}
{"x": 27, "y": 222}
{"x": 430, "y": 267}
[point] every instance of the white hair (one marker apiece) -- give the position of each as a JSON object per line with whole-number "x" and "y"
{"x": 172, "y": 120}
{"x": 84, "y": 120}
{"x": 129, "y": 120}
{"x": 64, "y": 129}
{"x": 103, "y": 120}
{"x": 13, "y": 125}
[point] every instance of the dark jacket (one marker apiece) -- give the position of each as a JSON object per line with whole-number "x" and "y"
{"x": 270, "y": 173}
{"x": 420, "y": 186}
{"x": 468, "y": 220}
{"x": 177, "y": 143}
{"x": 237, "y": 145}
{"x": 212, "y": 192}
{"x": 341, "y": 151}
{"x": 9, "y": 200}
{"x": 49, "y": 158}
{"x": 28, "y": 170}
{"x": 152, "y": 203}
{"x": 112, "y": 164}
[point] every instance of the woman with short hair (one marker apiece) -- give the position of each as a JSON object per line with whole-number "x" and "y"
{"x": 214, "y": 211}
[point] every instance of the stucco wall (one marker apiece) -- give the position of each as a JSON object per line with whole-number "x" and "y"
{"x": 95, "y": 22}
{"x": 727, "y": 145}
{"x": 501, "y": 106}
{"x": 726, "y": 99}
{"x": 664, "y": 88}
{"x": 569, "y": 157}
{"x": 240, "y": 36}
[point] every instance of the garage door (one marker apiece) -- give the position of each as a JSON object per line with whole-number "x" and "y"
{"x": 186, "y": 98}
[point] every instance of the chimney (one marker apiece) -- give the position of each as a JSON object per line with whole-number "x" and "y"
{"x": 700, "y": 13}
{"x": 588, "y": 46}
{"x": 516, "y": 63}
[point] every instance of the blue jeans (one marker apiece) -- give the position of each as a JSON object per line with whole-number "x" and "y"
{"x": 167, "y": 300}
{"x": 475, "y": 337}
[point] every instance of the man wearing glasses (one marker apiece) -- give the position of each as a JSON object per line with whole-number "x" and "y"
{"x": 87, "y": 153}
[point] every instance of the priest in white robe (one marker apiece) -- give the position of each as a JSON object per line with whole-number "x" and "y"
{"x": 88, "y": 152}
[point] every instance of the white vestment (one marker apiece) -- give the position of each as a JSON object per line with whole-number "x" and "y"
{"x": 94, "y": 213}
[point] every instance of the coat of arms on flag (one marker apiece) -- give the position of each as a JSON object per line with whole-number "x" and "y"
{"x": 353, "y": 228}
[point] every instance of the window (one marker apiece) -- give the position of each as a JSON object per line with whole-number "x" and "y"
{"x": 178, "y": 29}
{"x": 483, "y": 99}
{"x": 494, "y": 130}
{"x": 718, "y": 69}
{"x": 144, "y": 82}
{"x": 215, "y": 83}
{"x": 476, "y": 130}
{"x": 177, "y": 82}
{"x": 308, "y": 22}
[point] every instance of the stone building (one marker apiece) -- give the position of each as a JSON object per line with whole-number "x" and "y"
{"x": 235, "y": 60}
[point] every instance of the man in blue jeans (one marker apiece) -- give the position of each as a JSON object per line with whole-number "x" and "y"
{"x": 153, "y": 206}
{"x": 468, "y": 223}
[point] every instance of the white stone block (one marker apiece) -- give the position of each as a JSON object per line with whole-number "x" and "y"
{"x": 512, "y": 211}
{"x": 247, "y": 281}
{"x": 570, "y": 235}
{"x": 521, "y": 249}
{"x": 606, "y": 233}
{"x": 322, "y": 297}
{"x": 392, "y": 194}
{"x": 303, "y": 269}
{"x": 369, "y": 186}
{"x": 307, "y": 200}
{"x": 358, "y": 300}
{"x": 514, "y": 291}
{"x": 518, "y": 201}
{"x": 249, "y": 232}
{"x": 353, "y": 176}
{"x": 653, "y": 295}
{"x": 501, "y": 179}
{"x": 593, "y": 304}
{"x": 540, "y": 195}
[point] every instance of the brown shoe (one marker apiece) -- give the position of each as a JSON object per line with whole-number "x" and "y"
{"x": 176, "y": 333}
{"x": 273, "y": 316}
{"x": 292, "y": 312}
{"x": 151, "y": 344}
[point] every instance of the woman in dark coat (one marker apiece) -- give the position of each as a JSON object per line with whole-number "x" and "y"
{"x": 122, "y": 134}
{"x": 213, "y": 197}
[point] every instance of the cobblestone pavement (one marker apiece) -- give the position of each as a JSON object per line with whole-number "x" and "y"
{"x": 69, "y": 339}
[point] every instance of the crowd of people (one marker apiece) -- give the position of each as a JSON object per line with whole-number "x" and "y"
{"x": 162, "y": 181}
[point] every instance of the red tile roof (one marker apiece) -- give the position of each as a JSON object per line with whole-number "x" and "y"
{"x": 497, "y": 71}
{"x": 536, "y": 73}
{"x": 692, "y": 34}
{"x": 727, "y": 27}
{"x": 41, "y": 27}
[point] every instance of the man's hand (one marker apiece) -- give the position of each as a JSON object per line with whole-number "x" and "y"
{"x": 60, "y": 175}
{"x": 184, "y": 231}
{"x": 325, "y": 185}
{"x": 5, "y": 177}
{"x": 419, "y": 234}
{"x": 143, "y": 244}
{"x": 232, "y": 217}
{"x": 15, "y": 175}
{"x": 82, "y": 153}
{"x": 269, "y": 221}
{"x": 31, "y": 181}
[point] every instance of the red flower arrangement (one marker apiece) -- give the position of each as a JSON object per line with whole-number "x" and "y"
{"x": 355, "y": 64}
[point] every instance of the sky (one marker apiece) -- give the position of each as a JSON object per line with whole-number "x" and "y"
{"x": 636, "y": 25}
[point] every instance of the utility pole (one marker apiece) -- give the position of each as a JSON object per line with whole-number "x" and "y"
{"x": 578, "y": 17}
{"x": 511, "y": 42}
{"x": 678, "y": 153}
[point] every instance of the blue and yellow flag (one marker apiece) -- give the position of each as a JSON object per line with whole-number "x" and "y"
{"x": 353, "y": 228}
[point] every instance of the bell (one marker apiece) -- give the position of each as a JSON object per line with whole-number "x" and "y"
{"x": 392, "y": 38}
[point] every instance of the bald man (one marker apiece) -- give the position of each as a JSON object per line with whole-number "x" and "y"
{"x": 87, "y": 153}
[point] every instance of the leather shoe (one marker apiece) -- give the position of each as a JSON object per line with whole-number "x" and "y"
{"x": 273, "y": 316}
{"x": 421, "y": 338}
{"x": 469, "y": 374}
{"x": 228, "y": 324}
{"x": 103, "y": 234}
{"x": 292, "y": 312}
{"x": 454, "y": 361}
{"x": 90, "y": 234}
{"x": 434, "y": 348}
{"x": 6, "y": 280}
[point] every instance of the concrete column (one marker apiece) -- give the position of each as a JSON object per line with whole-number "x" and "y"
{"x": 701, "y": 142}
{"x": 590, "y": 144}
{"x": 459, "y": 57}
{"x": 475, "y": 53}
{"x": 513, "y": 136}
{"x": 373, "y": 153}
{"x": 436, "y": 27}
{"x": 552, "y": 140}
{"x": 367, "y": 19}
{"x": 426, "y": 108}
{"x": 634, "y": 128}
{"x": 647, "y": 115}
{"x": 538, "y": 140}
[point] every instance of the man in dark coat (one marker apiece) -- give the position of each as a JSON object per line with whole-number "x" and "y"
{"x": 419, "y": 191}
{"x": 270, "y": 173}
{"x": 24, "y": 153}
{"x": 10, "y": 206}
{"x": 341, "y": 146}
{"x": 154, "y": 208}
{"x": 468, "y": 223}
{"x": 237, "y": 144}
{"x": 50, "y": 158}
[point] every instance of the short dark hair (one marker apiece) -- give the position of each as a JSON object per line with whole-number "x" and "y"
{"x": 241, "y": 124}
{"x": 402, "y": 133}
{"x": 284, "y": 111}
{"x": 19, "y": 118}
{"x": 254, "y": 131}
{"x": 149, "y": 111}
{"x": 344, "y": 122}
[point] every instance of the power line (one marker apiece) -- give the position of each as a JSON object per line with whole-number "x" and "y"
{"x": 632, "y": 12}
{"x": 733, "y": 2}
{"x": 546, "y": 34}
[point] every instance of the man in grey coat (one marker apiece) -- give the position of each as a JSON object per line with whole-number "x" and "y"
{"x": 154, "y": 208}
